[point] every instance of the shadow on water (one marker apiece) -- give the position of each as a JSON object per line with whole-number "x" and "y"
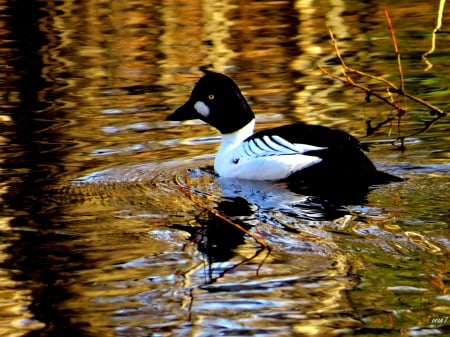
{"x": 216, "y": 238}
{"x": 40, "y": 255}
{"x": 244, "y": 204}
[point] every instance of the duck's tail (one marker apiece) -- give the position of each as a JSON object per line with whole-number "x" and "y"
{"x": 381, "y": 177}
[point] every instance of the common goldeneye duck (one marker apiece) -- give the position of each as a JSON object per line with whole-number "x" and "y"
{"x": 310, "y": 154}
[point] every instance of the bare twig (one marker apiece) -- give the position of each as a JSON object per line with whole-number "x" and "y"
{"x": 394, "y": 43}
{"x": 402, "y": 111}
{"x": 369, "y": 92}
{"x": 186, "y": 190}
{"x": 392, "y": 87}
{"x": 389, "y": 88}
{"x": 245, "y": 261}
{"x": 356, "y": 71}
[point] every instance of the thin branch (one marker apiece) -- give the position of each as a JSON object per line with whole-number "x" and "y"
{"x": 369, "y": 92}
{"x": 394, "y": 43}
{"x": 186, "y": 190}
{"x": 399, "y": 69}
{"x": 245, "y": 261}
{"x": 433, "y": 108}
{"x": 356, "y": 71}
{"x": 390, "y": 88}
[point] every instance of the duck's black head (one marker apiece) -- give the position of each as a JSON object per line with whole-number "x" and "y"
{"x": 217, "y": 100}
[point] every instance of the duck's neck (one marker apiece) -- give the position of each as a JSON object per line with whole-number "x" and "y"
{"x": 230, "y": 141}
{"x": 233, "y": 139}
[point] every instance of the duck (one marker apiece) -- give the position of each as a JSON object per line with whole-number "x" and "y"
{"x": 307, "y": 154}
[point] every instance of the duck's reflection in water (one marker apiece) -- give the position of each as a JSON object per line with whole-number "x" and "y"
{"x": 249, "y": 203}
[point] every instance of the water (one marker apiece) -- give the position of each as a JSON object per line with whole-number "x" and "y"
{"x": 104, "y": 222}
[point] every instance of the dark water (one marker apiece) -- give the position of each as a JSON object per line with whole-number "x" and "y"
{"x": 97, "y": 237}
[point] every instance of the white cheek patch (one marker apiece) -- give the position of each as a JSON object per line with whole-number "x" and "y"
{"x": 202, "y": 108}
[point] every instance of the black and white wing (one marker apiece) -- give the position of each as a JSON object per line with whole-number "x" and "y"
{"x": 272, "y": 145}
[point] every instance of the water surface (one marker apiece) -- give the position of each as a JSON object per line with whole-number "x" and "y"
{"x": 106, "y": 221}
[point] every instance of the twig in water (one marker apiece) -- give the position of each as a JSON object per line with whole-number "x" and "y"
{"x": 186, "y": 190}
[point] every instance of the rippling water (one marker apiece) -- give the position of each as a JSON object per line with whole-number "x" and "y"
{"x": 109, "y": 220}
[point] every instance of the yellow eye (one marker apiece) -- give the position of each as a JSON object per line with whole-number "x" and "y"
{"x": 211, "y": 97}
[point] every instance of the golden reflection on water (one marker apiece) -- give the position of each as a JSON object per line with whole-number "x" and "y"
{"x": 89, "y": 204}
